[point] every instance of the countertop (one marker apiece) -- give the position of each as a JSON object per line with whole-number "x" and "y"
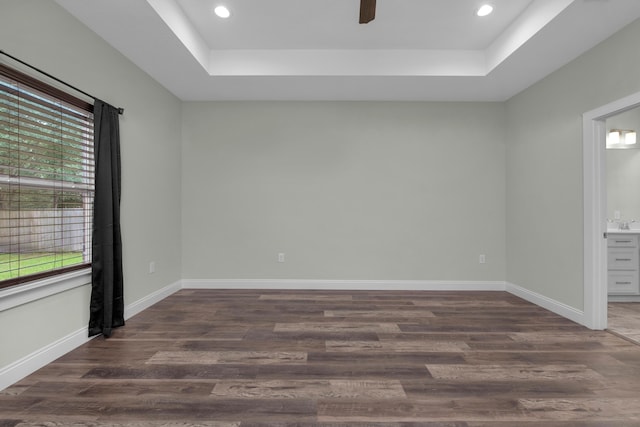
{"x": 618, "y": 231}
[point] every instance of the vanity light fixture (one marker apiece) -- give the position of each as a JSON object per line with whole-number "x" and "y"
{"x": 619, "y": 138}
{"x": 222, "y": 12}
{"x": 630, "y": 138}
{"x": 484, "y": 10}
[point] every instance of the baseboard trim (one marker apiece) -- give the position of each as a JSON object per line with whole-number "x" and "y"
{"x": 151, "y": 299}
{"x": 552, "y": 305}
{"x": 624, "y": 298}
{"x": 27, "y": 365}
{"x": 19, "y": 369}
{"x": 351, "y": 285}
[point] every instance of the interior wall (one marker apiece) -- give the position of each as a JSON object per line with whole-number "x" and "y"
{"x": 150, "y": 138}
{"x": 346, "y": 190}
{"x": 544, "y": 165}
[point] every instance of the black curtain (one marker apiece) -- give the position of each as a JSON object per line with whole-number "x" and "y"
{"x": 107, "y": 303}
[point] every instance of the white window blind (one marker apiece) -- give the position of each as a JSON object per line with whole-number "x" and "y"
{"x": 46, "y": 180}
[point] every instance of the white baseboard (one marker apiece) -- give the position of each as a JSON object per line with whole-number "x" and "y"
{"x": 350, "y": 285}
{"x": 552, "y": 305}
{"x": 19, "y": 369}
{"x": 151, "y": 299}
{"x": 27, "y": 365}
{"x": 623, "y": 298}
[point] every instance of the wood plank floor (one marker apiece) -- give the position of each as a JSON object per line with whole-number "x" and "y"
{"x": 624, "y": 320}
{"x": 308, "y": 358}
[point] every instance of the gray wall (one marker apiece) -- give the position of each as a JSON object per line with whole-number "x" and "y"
{"x": 370, "y": 190}
{"x": 544, "y": 165}
{"x": 150, "y": 134}
{"x": 346, "y": 190}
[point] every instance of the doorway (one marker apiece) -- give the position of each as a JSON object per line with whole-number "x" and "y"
{"x": 595, "y": 215}
{"x": 622, "y": 171}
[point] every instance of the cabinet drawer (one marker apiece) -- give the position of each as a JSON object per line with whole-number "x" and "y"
{"x": 622, "y": 258}
{"x": 622, "y": 241}
{"x": 623, "y": 282}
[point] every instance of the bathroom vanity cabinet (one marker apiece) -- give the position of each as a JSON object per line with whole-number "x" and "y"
{"x": 623, "y": 256}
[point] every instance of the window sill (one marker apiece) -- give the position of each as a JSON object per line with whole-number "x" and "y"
{"x": 38, "y": 289}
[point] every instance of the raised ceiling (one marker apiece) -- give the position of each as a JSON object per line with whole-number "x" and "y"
{"x": 332, "y": 24}
{"x": 316, "y": 50}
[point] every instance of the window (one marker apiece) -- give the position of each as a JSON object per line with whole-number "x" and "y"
{"x": 46, "y": 179}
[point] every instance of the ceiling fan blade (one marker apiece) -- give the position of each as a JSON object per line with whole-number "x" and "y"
{"x": 367, "y": 11}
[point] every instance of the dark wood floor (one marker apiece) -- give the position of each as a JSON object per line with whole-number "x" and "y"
{"x": 285, "y": 358}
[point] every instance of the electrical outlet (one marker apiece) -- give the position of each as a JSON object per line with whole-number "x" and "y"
{"x": 482, "y": 259}
{"x": 281, "y": 257}
{"x": 616, "y": 214}
{"x": 152, "y": 267}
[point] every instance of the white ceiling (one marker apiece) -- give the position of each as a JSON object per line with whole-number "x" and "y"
{"x": 333, "y": 24}
{"x": 316, "y": 50}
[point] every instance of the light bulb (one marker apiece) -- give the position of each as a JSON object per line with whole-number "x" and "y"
{"x": 222, "y": 12}
{"x": 485, "y": 10}
{"x": 614, "y": 137}
{"x": 630, "y": 138}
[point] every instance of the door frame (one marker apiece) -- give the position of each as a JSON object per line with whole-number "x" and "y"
{"x": 595, "y": 208}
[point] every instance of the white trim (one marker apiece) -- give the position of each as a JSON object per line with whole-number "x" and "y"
{"x": 19, "y": 369}
{"x": 304, "y": 284}
{"x": 624, "y": 298}
{"x": 23, "y": 294}
{"x": 151, "y": 299}
{"x": 594, "y": 225}
{"x": 547, "y": 303}
{"x": 27, "y": 365}
{"x": 594, "y": 191}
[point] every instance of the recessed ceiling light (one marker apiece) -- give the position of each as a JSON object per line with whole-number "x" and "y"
{"x": 484, "y": 10}
{"x": 222, "y": 12}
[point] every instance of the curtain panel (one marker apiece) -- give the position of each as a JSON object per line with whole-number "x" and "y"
{"x": 107, "y": 302}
